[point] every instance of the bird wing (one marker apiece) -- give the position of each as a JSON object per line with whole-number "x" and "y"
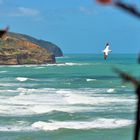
{"x": 107, "y": 47}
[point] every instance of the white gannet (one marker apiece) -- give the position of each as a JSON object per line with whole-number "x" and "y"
{"x": 106, "y": 51}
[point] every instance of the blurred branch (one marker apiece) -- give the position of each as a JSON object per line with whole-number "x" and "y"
{"x": 128, "y": 78}
{"x": 128, "y": 8}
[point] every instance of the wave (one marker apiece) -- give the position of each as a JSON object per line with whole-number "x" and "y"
{"x": 60, "y": 92}
{"x": 80, "y": 91}
{"x": 85, "y": 91}
{"x": 101, "y": 123}
{"x": 93, "y": 98}
{"x": 111, "y": 90}
{"x": 3, "y": 71}
{"x": 63, "y": 57}
{"x": 8, "y": 84}
{"x": 23, "y": 101}
{"x": 22, "y": 79}
{"x": 73, "y": 64}
{"x": 39, "y": 67}
{"x": 67, "y": 64}
{"x": 10, "y": 128}
{"x": 52, "y": 125}
{"x": 123, "y": 86}
{"x": 83, "y": 99}
{"x": 39, "y": 109}
{"x": 17, "y": 126}
{"x": 88, "y": 80}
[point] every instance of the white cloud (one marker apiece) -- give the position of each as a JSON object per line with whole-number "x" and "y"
{"x": 87, "y": 10}
{"x": 26, "y": 12}
{"x": 84, "y": 10}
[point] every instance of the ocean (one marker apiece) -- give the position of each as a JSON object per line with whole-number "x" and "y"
{"x": 79, "y": 98}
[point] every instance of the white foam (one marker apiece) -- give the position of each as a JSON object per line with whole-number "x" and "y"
{"x": 110, "y": 90}
{"x": 8, "y": 91}
{"x": 45, "y": 100}
{"x": 16, "y": 128}
{"x": 73, "y": 64}
{"x": 66, "y": 64}
{"x": 88, "y": 80}
{"x": 24, "y": 90}
{"x": 39, "y": 67}
{"x": 3, "y": 71}
{"x": 62, "y": 57}
{"x": 72, "y": 98}
{"x": 8, "y": 84}
{"x": 14, "y": 110}
{"x": 123, "y": 86}
{"x": 21, "y": 79}
{"x": 102, "y": 123}
{"x": 69, "y": 109}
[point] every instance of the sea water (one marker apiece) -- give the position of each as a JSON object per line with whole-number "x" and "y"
{"x": 79, "y": 98}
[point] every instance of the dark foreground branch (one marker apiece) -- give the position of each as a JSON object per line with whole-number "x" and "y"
{"x": 129, "y": 8}
{"x": 128, "y": 78}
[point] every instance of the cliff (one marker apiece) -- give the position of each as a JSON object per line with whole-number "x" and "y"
{"x": 22, "y": 49}
{"x": 52, "y": 48}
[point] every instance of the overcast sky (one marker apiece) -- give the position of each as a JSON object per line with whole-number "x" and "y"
{"x": 76, "y": 26}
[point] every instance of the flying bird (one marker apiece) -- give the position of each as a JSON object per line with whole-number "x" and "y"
{"x": 106, "y": 51}
{"x": 3, "y": 32}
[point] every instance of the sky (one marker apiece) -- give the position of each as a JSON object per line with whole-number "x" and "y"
{"x": 76, "y": 26}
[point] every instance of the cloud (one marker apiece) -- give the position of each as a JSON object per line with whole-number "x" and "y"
{"x": 87, "y": 10}
{"x": 26, "y": 12}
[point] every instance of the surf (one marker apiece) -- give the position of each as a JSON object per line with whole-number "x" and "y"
{"x": 101, "y": 123}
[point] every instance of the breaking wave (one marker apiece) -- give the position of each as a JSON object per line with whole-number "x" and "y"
{"x": 88, "y": 80}
{"x": 101, "y": 123}
{"x": 51, "y": 125}
{"x": 67, "y": 64}
{"x": 23, "y": 101}
{"x": 22, "y": 79}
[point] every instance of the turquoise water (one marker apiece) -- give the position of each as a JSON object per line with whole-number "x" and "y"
{"x": 79, "y": 98}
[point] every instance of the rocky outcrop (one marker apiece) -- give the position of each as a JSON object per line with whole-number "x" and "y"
{"x": 16, "y": 49}
{"x": 52, "y": 48}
